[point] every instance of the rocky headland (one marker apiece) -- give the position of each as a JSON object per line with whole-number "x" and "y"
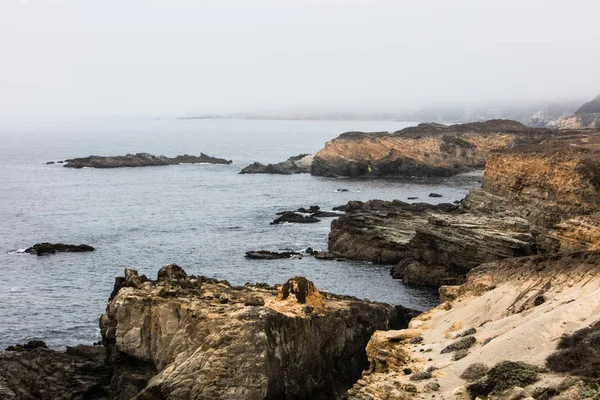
{"x": 586, "y": 117}
{"x": 426, "y": 150}
{"x": 293, "y": 165}
{"x": 535, "y": 199}
{"x": 140, "y": 160}
{"x": 190, "y": 337}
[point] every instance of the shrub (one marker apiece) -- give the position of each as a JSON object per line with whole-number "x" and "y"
{"x": 474, "y": 372}
{"x": 579, "y": 353}
{"x": 462, "y": 344}
{"x": 505, "y": 375}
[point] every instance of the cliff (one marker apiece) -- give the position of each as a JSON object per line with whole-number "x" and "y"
{"x": 586, "y": 117}
{"x": 140, "y": 160}
{"x": 184, "y": 337}
{"x": 422, "y": 151}
{"x": 536, "y": 199}
{"x": 515, "y": 310}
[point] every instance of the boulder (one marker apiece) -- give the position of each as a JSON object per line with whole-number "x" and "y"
{"x": 50, "y": 248}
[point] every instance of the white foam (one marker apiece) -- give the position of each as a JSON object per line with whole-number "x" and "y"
{"x": 18, "y": 251}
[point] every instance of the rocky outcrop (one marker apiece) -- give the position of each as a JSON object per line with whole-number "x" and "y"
{"x": 45, "y": 248}
{"x": 509, "y": 315}
{"x": 78, "y": 373}
{"x": 586, "y": 117}
{"x": 293, "y": 165}
{"x": 270, "y": 255}
{"x": 183, "y": 337}
{"x": 535, "y": 200}
{"x": 422, "y": 151}
{"x": 294, "y": 217}
{"x": 141, "y": 160}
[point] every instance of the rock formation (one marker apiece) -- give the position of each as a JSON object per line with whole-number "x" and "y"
{"x": 51, "y": 248}
{"x": 422, "y": 151}
{"x": 535, "y": 199}
{"x": 293, "y": 165}
{"x": 140, "y": 160}
{"x": 43, "y": 374}
{"x": 508, "y": 316}
{"x": 586, "y": 117}
{"x": 184, "y": 337}
{"x": 270, "y": 255}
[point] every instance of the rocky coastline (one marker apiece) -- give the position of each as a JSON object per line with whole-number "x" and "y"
{"x": 140, "y": 160}
{"x": 535, "y": 199}
{"x": 426, "y": 150}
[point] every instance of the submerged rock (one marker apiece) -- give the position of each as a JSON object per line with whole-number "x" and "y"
{"x": 140, "y": 160}
{"x": 50, "y": 248}
{"x": 293, "y": 165}
{"x": 270, "y": 255}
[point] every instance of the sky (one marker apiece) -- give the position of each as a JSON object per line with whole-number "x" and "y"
{"x": 225, "y": 56}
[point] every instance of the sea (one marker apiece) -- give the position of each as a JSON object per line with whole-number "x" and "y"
{"x": 202, "y": 217}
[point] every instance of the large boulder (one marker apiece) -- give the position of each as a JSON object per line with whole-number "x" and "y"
{"x": 195, "y": 337}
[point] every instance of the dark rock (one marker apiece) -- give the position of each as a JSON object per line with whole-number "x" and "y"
{"x": 311, "y": 251}
{"x": 60, "y": 162}
{"x": 289, "y": 216}
{"x": 50, "y": 162}
{"x": 342, "y": 190}
{"x": 270, "y": 255}
{"x": 341, "y": 208}
{"x": 539, "y": 300}
{"x": 171, "y": 271}
{"x": 419, "y": 376}
{"x": 254, "y": 301}
{"x": 44, "y": 374}
{"x": 310, "y": 210}
{"x": 141, "y": 160}
{"x": 416, "y": 340}
{"x": 412, "y": 198}
{"x": 435, "y": 195}
{"x": 324, "y": 256}
{"x": 293, "y": 165}
{"x": 32, "y": 344}
{"x": 51, "y": 248}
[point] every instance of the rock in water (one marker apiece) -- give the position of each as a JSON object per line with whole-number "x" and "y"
{"x": 293, "y": 165}
{"x": 200, "y": 338}
{"x": 290, "y": 216}
{"x": 270, "y": 255}
{"x": 50, "y": 248}
{"x": 140, "y": 160}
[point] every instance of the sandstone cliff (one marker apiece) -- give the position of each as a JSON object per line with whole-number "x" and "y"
{"x": 536, "y": 199}
{"x": 423, "y": 151}
{"x": 513, "y": 310}
{"x": 186, "y": 337}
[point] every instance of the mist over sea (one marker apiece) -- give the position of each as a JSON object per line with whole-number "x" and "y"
{"x": 202, "y": 217}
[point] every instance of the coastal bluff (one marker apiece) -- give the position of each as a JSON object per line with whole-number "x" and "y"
{"x": 425, "y": 150}
{"x": 140, "y": 160}
{"x": 535, "y": 199}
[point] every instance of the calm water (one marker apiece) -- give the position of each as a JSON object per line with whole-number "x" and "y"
{"x": 202, "y": 217}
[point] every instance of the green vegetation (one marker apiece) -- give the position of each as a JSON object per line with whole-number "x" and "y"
{"x": 503, "y": 376}
{"x": 579, "y": 353}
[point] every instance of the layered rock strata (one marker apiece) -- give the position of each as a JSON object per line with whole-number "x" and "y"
{"x": 141, "y": 160}
{"x": 293, "y": 165}
{"x": 183, "y": 337}
{"x": 535, "y": 200}
{"x": 423, "y": 151}
{"x": 511, "y": 310}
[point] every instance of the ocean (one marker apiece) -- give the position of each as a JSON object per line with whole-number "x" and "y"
{"x": 201, "y": 217}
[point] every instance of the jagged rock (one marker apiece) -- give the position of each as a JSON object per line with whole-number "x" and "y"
{"x": 51, "y": 248}
{"x": 140, "y": 160}
{"x": 425, "y": 150}
{"x": 293, "y": 165}
{"x": 270, "y": 255}
{"x": 435, "y": 195}
{"x": 175, "y": 339}
{"x": 78, "y": 373}
{"x": 290, "y": 216}
{"x": 50, "y": 162}
{"x": 171, "y": 271}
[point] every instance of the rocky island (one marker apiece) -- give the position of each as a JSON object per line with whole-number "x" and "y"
{"x": 140, "y": 160}
{"x": 426, "y": 150}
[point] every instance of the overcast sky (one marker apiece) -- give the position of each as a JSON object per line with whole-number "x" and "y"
{"x": 178, "y": 56}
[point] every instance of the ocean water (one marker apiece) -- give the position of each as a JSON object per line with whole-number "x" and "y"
{"x": 202, "y": 217}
